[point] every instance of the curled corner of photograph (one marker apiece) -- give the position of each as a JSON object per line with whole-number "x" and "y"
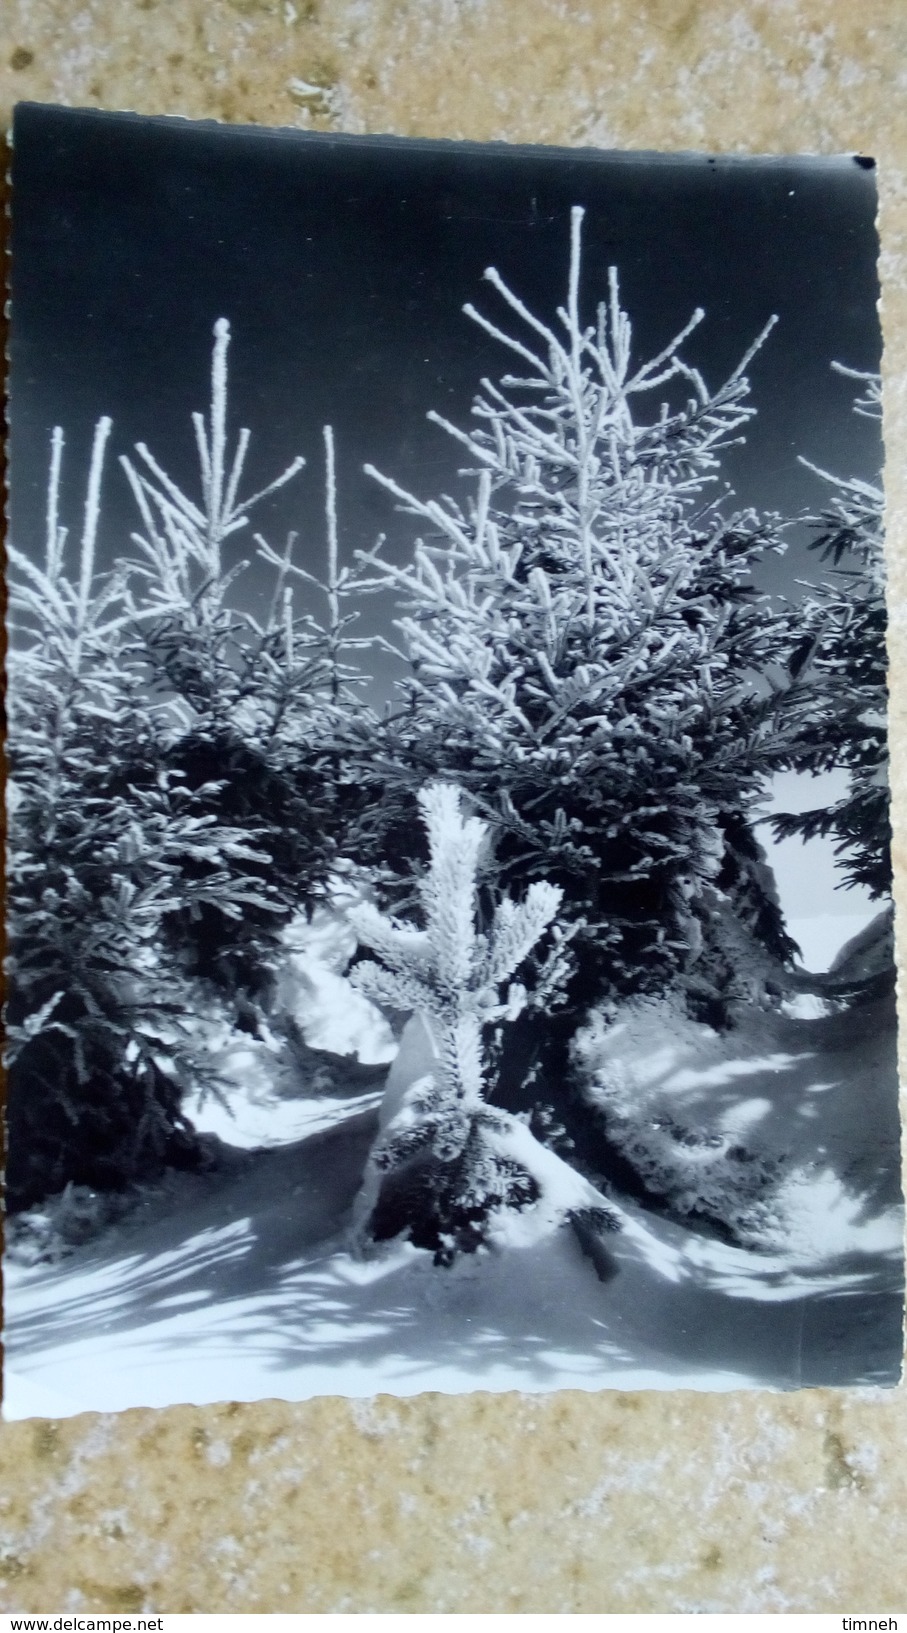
{"x": 449, "y": 881}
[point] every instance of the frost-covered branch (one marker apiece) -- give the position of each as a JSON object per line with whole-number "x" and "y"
{"x": 450, "y": 970}
{"x": 839, "y": 704}
{"x": 184, "y": 539}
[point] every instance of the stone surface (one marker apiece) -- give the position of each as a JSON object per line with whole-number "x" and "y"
{"x": 571, "y": 1502}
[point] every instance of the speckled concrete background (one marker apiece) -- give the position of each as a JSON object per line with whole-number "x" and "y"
{"x": 569, "y": 1502}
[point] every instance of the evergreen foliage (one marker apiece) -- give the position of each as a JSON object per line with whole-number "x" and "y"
{"x": 171, "y": 805}
{"x": 588, "y": 652}
{"x": 251, "y": 705}
{"x": 100, "y": 833}
{"x": 840, "y": 667}
{"x": 443, "y": 1175}
{"x": 592, "y": 711}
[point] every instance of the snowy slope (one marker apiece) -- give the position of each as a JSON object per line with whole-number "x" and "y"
{"x": 813, "y": 1084}
{"x": 241, "y": 1284}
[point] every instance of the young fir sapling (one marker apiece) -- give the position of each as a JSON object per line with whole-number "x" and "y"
{"x": 443, "y": 1165}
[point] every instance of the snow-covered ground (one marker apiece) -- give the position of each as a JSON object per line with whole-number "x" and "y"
{"x": 241, "y": 1283}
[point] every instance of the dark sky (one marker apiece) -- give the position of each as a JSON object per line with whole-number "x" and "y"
{"x": 343, "y": 264}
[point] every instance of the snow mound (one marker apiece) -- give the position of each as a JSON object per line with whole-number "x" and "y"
{"x": 296, "y": 1076}
{"x": 807, "y": 1006}
{"x": 869, "y": 953}
{"x": 785, "y": 1128}
{"x": 313, "y": 988}
{"x": 512, "y": 1191}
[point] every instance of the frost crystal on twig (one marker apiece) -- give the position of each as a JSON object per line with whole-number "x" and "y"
{"x": 182, "y": 539}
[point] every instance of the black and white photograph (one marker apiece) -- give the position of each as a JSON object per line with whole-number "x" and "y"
{"x": 449, "y": 922}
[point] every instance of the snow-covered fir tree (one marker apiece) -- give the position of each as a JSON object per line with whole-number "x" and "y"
{"x": 172, "y": 797}
{"x": 103, "y": 842}
{"x": 840, "y": 695}
{"x": 588, "y": 651}
{"x": 251, "y": 703}
{"x": 441, "y": 1161}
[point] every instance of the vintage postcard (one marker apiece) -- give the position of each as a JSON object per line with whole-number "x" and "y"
{"x": 449, "y": 916}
